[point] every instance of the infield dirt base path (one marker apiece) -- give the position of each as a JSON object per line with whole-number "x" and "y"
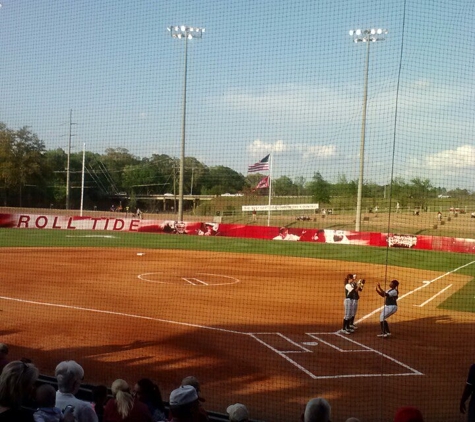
{"x": 255, "y": 329}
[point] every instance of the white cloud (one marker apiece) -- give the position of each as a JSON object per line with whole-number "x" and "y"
{"x": 258, "y": 147}
{"x": 461, "y": 157}
{"x": 320, "y": 151}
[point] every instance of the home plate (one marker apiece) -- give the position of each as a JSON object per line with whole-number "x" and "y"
{"x": 310, "y": 343}
{"x": 140, "y": 254}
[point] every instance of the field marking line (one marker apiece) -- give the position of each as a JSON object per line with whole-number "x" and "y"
{"x": 433, "y": 297}
{"x": 416, "y": 289}
{"x": 336, "y": 333}
{"x": 288, "y": 339}
{"x": 192, "y": 281}
{"x": 100, "y": 311}
{"x": 283, "y": 355}
{"x": 415, "y": 371}
{"x": 253, "y": 335}
{"x": 234, "y": 280}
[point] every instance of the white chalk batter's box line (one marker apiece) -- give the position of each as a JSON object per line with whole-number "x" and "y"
{"x": 318, "y": 336}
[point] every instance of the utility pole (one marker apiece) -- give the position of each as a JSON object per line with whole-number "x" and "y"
{"x": 68, "y": 166}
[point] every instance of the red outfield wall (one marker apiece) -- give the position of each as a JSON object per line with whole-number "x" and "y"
{"x": 394, "y": 240}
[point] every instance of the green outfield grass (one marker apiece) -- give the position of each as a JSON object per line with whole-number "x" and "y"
{"x": 426, "y": 260}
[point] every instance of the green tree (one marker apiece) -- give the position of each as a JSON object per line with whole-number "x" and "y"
{"x": 300, "y": 185}
{"x": 221, "y": 179}
{"x": 319, "y": 188}
{"x": 114, "y": 161}
{"x": 283, "y": 186}
{"x": 195, "y": 171}
{"x": 421, "y": 190}
{"x": 22, "y": 164}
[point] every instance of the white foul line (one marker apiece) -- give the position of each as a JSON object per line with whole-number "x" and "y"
{"x": 99, "y": 311}
{"x": 415, "y": 290}
{"x": 433, "y": 297}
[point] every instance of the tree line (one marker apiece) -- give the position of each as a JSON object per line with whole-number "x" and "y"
{"x": 32, "y": 176}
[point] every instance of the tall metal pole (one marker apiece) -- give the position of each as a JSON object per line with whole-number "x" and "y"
{"x": 82, "y": 177}
{"x": 183, "y": 136}
{"x": 186, "y": 33}
{"x": 362, "y": 142}
{"x": 366, "y": 36}
{"x": 68, "y": 171}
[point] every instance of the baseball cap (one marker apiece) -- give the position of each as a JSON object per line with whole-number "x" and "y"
{"x": 183, "y": 395}
{"x": 408, "y": 414}
{"x": 193, "y": 381}
{"x": 237, "y": 412}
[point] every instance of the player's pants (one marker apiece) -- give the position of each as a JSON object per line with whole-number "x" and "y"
{"x": 350, "y": 308}
{"x": 354, "y": 307}
{"x": 387, "y": 311}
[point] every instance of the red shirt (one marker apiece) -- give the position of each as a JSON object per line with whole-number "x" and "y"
{"x": 138, "y": 413}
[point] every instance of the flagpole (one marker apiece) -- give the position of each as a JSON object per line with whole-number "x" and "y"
{"x": 270, "y": 190}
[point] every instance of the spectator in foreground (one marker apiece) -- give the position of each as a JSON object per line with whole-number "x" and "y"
{"x": 408, "y": 414}
{"x": 16, "y": 383}
{"x": 47, "y": 412}
{"x": 193, "y": 381}
{"x": 184, "y": 404}
{"x": 317, "y": 410}
{"x": 469, "y": 391}
{"x": 69, "y": 375}
{"x": 149, "y": 393}
{"x": 352, "y": 419}
{"x": 123, "y": 407}
{"x": 238, "y": 413}
{"x": 3, "y": 356}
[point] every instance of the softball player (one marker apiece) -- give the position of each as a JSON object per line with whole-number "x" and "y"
{"x": 390, "y": 305}
{"x": 358, "y": 287}
{"x": 350, "y": 303}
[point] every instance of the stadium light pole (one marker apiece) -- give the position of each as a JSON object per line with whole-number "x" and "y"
{"x": 185, "y": 33}
{"x": 367, "y": 36}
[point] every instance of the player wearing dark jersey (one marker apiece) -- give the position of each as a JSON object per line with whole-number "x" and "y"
{"x": 351, "y": 296}
{"x": 390, "y": 305}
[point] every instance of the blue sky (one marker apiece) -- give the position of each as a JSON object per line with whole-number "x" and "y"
{"x": 281, "y": 76}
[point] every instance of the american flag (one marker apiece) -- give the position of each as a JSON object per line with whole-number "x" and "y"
{"x": 264, "y": 183}
{"x": 260, "y": 165}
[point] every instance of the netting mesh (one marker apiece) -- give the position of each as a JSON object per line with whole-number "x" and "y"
{"x": 267, "y": 77}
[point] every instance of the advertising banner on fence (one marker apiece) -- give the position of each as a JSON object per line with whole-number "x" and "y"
{"x": 204, "y": 228}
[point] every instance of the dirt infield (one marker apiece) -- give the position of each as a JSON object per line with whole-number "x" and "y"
{"x": 255, "y": 329}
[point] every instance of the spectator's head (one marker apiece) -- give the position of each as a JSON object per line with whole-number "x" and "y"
{"x": 184, "y": 401}
{"x": 16, "y": 382}
{"x": 99, "y": 394}
{"x": 45, "y": 395}
{"x": 3, "y": 349}
{"x": 317, "y": 410}
{"x": 237, "y": 413}
{"x": 408, "y": 414}
{"x": 69, "y": 375}
{"x": 124, "y": 400}
{"x": 352, "y": 420}
{"x": 193, "y": 381}
{"x": 148, "y": 392}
